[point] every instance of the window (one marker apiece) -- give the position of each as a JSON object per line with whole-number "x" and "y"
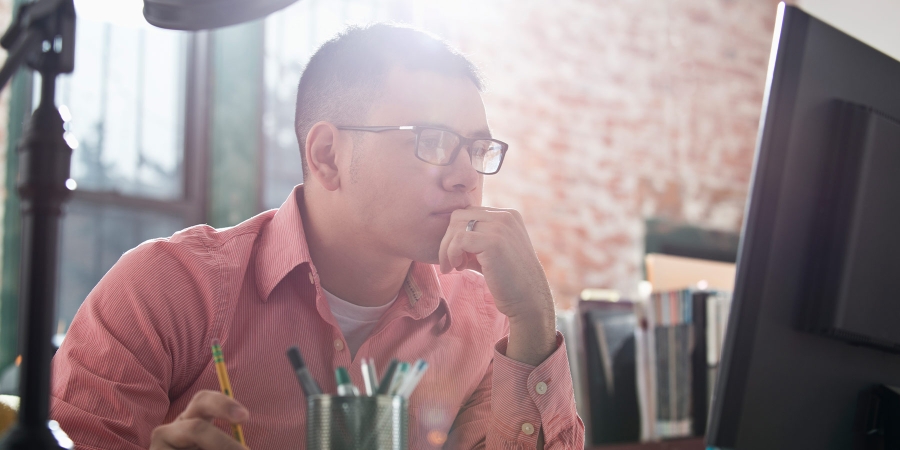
{"x": 131, "y": 107}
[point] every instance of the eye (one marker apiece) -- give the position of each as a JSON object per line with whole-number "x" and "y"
{"x": 481, "y": 148}
{"x": 430, "y": 142}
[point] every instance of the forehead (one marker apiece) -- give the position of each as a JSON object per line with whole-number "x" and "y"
{"x": 423, "y": 97}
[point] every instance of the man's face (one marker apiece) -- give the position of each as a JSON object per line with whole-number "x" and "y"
{"x": 398, "y": 201}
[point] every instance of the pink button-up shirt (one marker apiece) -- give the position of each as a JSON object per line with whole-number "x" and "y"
{"x": 138, "y": 348}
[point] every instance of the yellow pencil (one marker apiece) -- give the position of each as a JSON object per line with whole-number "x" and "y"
{"x": 219, "y": 361}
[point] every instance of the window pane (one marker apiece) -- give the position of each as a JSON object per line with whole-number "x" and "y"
{"x": 126, "y": 100}
{"x": 92, "y": 238}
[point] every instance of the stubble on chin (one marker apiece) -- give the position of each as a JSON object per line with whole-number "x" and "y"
{"x": 428, "y": 253}
{"x": 426, "y": 250}
{"x": 421, "y": 243}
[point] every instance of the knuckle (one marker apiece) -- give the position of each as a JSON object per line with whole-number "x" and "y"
{"x": 157, "y": 434}
{"x": 196, "y": 426}
{"x": 203, "y": 396}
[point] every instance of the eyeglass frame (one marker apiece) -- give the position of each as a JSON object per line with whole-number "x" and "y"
{"x": 417, "y": 129}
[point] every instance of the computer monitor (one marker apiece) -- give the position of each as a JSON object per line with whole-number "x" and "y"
{"x": 815, "y": 318}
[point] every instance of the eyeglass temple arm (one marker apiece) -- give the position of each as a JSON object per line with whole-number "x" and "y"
{"x": 376, "y": 129}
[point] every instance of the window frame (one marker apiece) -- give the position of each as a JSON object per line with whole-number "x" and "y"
{"x": 192, "y": 206}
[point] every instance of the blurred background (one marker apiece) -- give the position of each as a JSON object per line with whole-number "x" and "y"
{"x": 631, "y": 124}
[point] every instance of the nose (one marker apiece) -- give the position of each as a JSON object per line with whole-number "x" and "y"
{"x": 461, "y": 176}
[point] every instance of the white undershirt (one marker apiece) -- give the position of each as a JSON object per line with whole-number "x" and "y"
{"x": 356, "y": 322}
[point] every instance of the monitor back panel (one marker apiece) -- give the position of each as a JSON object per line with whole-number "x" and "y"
{"x": 781, "y": 386}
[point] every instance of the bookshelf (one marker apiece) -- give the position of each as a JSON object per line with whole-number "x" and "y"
{"x": 693, "y": 443}
{"x": 685, "y": 315}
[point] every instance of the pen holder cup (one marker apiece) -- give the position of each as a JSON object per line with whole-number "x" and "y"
{"x": 380, "y": 422}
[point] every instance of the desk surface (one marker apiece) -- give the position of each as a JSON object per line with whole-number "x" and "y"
{"x": 695, "y": 443}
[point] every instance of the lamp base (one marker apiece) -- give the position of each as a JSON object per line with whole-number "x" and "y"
{"x": 48, "y": 437}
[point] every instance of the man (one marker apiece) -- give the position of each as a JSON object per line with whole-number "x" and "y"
{"x": 368, "y": 258}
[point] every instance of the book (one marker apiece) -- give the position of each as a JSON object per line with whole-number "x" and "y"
{"x": 610, "y": 351}
{"x": 645, "y": 356}
{"x": 672, "y": 273}
{"x": 700, "y": 387}
{"x": 569, "y": 323}
{"x": 680, "y": 335}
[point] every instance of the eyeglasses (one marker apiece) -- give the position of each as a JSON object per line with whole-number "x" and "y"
{"x": 440, "y": 147}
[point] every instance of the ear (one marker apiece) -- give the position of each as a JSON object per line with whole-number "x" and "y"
{"x": 321, "y": 155}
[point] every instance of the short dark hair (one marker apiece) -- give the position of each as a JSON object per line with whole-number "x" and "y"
{"x": 343, "y": 78}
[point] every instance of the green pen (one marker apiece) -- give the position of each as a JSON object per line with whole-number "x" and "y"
{"x": 345, "y": 387}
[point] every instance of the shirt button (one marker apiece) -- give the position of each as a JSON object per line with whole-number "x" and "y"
{"x": 311, "y": 279}
{"x": 338, "y": 344}
{"x": 541, "y": 388}
{"x": 528, "y": 428}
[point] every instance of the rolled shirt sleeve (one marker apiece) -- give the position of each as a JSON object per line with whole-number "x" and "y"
{"x": 517, "y": 401}
{"x": 526, "y": 400}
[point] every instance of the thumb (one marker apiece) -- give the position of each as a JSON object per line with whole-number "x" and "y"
{"x": 473, "y": 263}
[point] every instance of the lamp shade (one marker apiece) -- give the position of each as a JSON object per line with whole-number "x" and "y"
{"x": 195, "y": 15}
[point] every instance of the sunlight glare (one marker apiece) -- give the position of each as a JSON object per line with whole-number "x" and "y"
{"x": 128, "y": 13}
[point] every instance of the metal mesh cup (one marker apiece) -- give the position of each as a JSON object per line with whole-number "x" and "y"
{"x": 369, "y": 423}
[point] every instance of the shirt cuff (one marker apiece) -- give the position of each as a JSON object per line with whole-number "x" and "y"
{"x": 527, "y": 398}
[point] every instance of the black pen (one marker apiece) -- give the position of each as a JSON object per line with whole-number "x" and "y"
{"x": 385, "y": 384}
{"x": 307, "y": 382}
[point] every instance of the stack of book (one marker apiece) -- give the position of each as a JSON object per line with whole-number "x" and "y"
{"x": 678, "y": 341}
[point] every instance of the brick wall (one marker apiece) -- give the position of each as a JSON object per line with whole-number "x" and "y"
{"x": 615, "y": 111}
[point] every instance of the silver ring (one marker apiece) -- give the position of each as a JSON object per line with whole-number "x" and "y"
{"x": 471, "y": 225}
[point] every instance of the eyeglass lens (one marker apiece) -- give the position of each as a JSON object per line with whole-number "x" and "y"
{"x": 436, "y": 147}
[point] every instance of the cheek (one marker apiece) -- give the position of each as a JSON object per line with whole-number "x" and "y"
{"x": 428, "y": 184}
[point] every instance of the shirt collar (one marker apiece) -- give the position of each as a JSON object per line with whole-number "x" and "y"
{"x": 282, "y": 247}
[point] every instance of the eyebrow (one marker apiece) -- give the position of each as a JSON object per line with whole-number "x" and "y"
{"x": 484, "y": 133}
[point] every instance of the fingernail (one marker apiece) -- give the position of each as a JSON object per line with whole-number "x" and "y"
{"x": 238, "y": 413}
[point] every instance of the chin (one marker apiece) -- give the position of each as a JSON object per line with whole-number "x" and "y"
{"x": 424, "y": 244}
{"x": 428, "y": 257}
{"x": 425, "y": 251}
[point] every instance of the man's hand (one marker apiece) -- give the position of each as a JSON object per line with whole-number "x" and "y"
{"x": 193, "y": 429}
{"x": 499, "y": 247}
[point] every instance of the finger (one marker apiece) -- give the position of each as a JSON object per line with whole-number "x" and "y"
{"x": 456, "y": 226}
{"x": 462, "y": 217}
{"x": 193, "y": 433}
{"x": 442, "y": 250}
{"x": 208, "y": 405}
{"x": 458, "y": 222}
{"x": 463, "y": 244}
{"x": 474, "y": 264}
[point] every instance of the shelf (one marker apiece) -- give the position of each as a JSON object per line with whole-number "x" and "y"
{"x": 694, "y": 443}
